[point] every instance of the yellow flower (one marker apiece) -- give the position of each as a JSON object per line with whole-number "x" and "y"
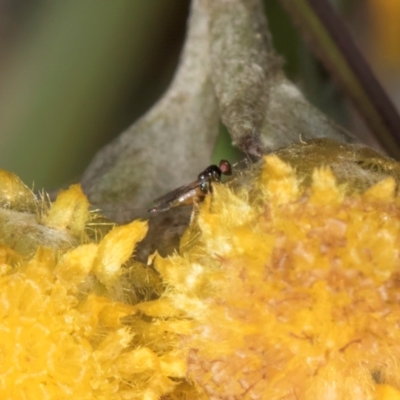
{"x": 61, "y": 327}
{"x": 292, "y": 286}
{"x": 285, "y": 286}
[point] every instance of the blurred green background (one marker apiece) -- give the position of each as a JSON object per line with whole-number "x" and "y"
{"x": 74, "y": 74}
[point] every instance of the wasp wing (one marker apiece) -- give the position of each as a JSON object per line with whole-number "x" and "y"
{"x": 164, "y": 203}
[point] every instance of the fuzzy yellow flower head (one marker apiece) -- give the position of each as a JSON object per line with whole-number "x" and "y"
{"x": 285, "y": 286}
{"x": 292, "y": 289}
{"x": 61, "y": 329}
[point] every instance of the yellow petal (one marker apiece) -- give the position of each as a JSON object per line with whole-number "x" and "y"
{"x": 69, "y": 211}
{"x": 75, "y": 264}
{"x": 116, "y": 248}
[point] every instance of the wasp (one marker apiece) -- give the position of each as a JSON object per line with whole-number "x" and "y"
{"x": 193, "y": 192}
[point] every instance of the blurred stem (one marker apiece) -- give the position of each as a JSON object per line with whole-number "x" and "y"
{"x": 228, "y": 71}
{"x": 172, "y": 142}
{"x": 334, "y": 45}
{"x": 261, "y": 108}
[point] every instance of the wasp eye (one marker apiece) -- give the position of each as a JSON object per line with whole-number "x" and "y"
{"x": 225, "y": 167}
